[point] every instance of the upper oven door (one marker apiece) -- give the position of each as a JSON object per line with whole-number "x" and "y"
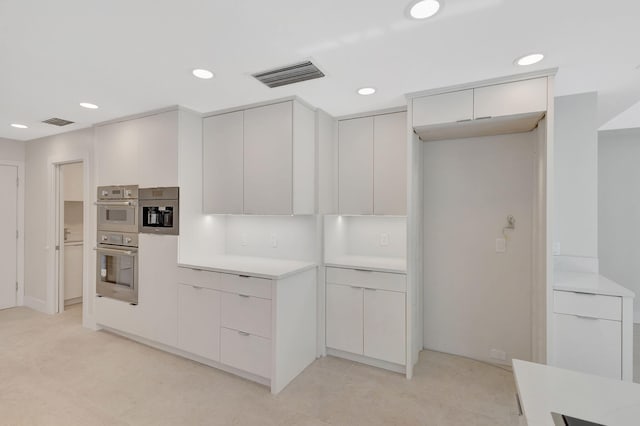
{"x": 118, "y": 216}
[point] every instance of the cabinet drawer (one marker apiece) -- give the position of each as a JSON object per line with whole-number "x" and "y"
{"x": 246, "y": 352}
{"x": 590, "y": 345}
{"x": 587, "y": 305}
{"x": 247, "y": 313}
{"x": 198, "y": 277}
{"x": 367, "y": 279}
{"x": 250, "y": 286}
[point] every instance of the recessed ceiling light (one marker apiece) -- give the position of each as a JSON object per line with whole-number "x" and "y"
{"x": 202, "y": 73}
{"x": 88, "y": 105}
{"x": 531, "y": 59}
{"x": 366, "y": 91}
{"x": 19, "y": 126}
{"x": 424, "y": 9}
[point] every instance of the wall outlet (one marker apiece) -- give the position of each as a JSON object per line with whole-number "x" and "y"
{"x": 501, "y": 245}
{"x": 274, "y": 240}
{"x": 556, "y": 249}
{"x": 243, "y": 239}
{"x": 384, "y": 239}
{"x": 498, "y": 354}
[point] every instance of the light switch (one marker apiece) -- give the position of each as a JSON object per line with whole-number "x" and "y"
{"x": 501, "y": 245}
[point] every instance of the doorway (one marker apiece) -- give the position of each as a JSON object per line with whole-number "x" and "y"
{"x": 9, "y": 236}
{"x": 70, "y": 236}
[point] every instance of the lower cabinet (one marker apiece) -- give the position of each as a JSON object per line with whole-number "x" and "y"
{"x": 199, "y": 321}
{"x": 366, "y": 314}
{"x": 263, "y": 327}
{"x": 588, "y": 333}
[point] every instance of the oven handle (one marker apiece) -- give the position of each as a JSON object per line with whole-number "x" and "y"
{"x": 115, "y": 251}
{"x": 115, "y": 203}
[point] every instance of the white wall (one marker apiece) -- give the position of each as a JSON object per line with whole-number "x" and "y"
{"x": 11, "y": 150}
{"x": 576, "y": 176}
{"x": 39, "y": 199}
{"x": 619, "y": 209}
{"x": 476, "y": 299}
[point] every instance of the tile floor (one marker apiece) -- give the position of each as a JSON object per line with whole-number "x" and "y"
{"x": 54, "y": 372}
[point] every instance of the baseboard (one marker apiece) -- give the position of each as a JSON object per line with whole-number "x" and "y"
{"x": 73, "y": 301}
{"x": 35, "y": 304}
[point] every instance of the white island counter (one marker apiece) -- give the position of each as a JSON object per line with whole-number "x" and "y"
{"x": 543, "y": 390}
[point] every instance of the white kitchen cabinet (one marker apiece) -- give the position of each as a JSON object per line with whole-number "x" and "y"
{"x": 366, "y": 314}
{"x": 590, "y": 345}
{"x": 268, "y": 165}
{"x": 443, "y": 108}
{"x": 519, "y": 97}
{"x": 482, "y": 111}
{"x": 140, "y": 150}
{"x": 355, "y": 166}
{"x": 345, "y": 310}
{"x": 588, "y": 333}
{"x": 260, "y": 161}
{"x": 385, "y": 325}
{"x": 372, "y": 165}
{"x": 222, "y": 156}
{"x": 390, "y": 164}
{"x": 199, "y": 321}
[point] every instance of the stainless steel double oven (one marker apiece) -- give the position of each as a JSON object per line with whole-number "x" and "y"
{"x": 117, "y": 248}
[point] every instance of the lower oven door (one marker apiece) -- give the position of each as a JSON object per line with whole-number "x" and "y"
{"x": 117, "y": 273}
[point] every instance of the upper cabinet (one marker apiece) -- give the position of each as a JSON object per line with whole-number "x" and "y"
{"x": 140, "y": 151}
{"x": 222, "y": 157}
{"x": 260, "y": 161}
{"x": 372, "y": 165}
{"x": 490, "y": 110}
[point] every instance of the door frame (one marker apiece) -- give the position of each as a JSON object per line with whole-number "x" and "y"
{"x": 53, "y": 235}
{"x": 19, "y": 165}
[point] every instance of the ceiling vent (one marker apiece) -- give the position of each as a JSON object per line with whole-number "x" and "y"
{"x": 289, "y": 74}
{"x": 57, "y": 121}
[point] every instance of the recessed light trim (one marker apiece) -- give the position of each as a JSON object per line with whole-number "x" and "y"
{"x": 19, "y": 126}
{"x": 88, "y": 105}
{"x": 202, "y": 73}
{"x": 366, "y": 91}
{"x": 530, "y": 59}
{"x": 424, "y": 9}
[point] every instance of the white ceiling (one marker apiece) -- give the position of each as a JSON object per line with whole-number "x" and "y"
{"x": 133, "y": 56}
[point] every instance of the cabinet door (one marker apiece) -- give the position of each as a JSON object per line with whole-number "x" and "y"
{"x": 444, "y": 108}
{"x": 511, "y": 98}
{"x": 390, "y": 164}
{"x": 199, "y": 321}
{"x": 268, "y": 159}
{"x": 117, "y": 153}
{"x": 344, "y": 318}
{"x": 384, "y": 325}
{"x": 590, "y": 345}
{"x": 157, "y": 150}
{"x": 355, "y": 166}
{"x": 222, "y": 163}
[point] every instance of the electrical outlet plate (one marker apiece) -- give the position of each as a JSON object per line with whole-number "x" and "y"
{"x": 501, "y": 245}
{"x": 243, "y": 239}
{"x": 274, "y": 241}
{"x": 384, "y": 239}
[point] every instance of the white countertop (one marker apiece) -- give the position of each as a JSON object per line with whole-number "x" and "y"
{"x": 544, "y": 389}
{"x": 589, "y": 283}
{"x": 262, "y": 267}
{"x": 381, "y": 264}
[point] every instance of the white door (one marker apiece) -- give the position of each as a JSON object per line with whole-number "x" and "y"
{"x": 344, "y": 318}
{"x": 384, "y": 325}
{"x": 355, "y": 166}
{"x": 268, "y": 153}
{"x": 8, "y": 236}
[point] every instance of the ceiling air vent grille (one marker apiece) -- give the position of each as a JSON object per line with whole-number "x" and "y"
{"x": 57, "y": 121}
{"x": 289, "y": 74}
